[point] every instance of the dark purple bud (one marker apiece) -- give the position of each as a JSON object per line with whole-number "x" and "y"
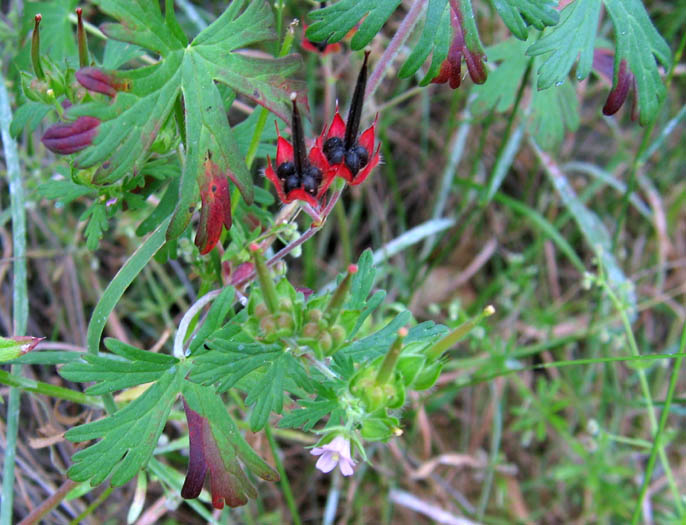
{"x": 65, "y": 138}
{"x": 620, "y": 91}
{"x": 97, "y": 80}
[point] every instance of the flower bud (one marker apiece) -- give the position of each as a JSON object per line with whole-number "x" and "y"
{"x": 65, "y": 138}
{"x": 284, "y": 321}
{"x": 267, "y": 325}
{"x": 261, "y": 310}
{"x": 285, "y": 304}
{"x": 325, "y": 341}
{"x": 338, "y": 334}
{"x": 13, "y": 347}
{"x": 315, "y": 315}
{"x": 95, "y": 79}
{"x": 310, "y": 330}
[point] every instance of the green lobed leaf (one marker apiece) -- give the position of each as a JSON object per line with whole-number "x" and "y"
{"x": 519, "y": 14}
{"x": 362, "y": 281}
{"x": 230, "y": 360}
{"x": 63, "y": 190}
{"x": 333, "y": 22}
{"x": 501, "y": 89}
{"x": 128, "y": 437}
{"x": 309, "y": 413}
{"x": 27, "y": 117}
{"x": 97, "y": 224}
{"x": 573, "y": 37}
{"x": 639, "y": 43}
{"x": 127, "y": 367}
{"x": 267, "y": 395}
{"x": 552, "y": 111}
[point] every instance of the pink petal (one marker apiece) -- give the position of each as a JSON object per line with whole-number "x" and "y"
{"x": 327, "y": 462}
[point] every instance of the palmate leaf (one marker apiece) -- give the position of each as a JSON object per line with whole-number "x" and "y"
{"x": 333, "y": 22}
{"x": 573, "y": 37}
{"x": 129, "y": 436}
{"x": 639, "y": 43}
{"x": 126, "y": 367}
{"x": 518, "y": 14}
{"x": 553, "y": 111}
{"x": 187, "y": 74}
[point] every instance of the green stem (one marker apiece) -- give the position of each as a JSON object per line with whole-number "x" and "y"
{"x": 285, "y": 485}
{"x": 38, "y": 387}
{"x": 657, "y": 446}
{"x": 20, "y": 305}
{"x": 509, "y": 142}
{"x": 654, "y": 427}
{"x": 342, "y": 220}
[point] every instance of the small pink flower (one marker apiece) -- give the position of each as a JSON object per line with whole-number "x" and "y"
{"x": 335, "y": 452}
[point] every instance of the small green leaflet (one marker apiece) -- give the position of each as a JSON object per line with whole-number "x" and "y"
{"x": 639, "y": 43}
{"x": 309, "y": 413}
{"x": 127, "y": 367}
{"x": 96, "y": 225}
{"x": 333, "y": 22}
{"x": 129, "y": 436}
{"x": 518, "y": 14}
{"x": 553, "y": 110}
{"x": 573, "y": 37}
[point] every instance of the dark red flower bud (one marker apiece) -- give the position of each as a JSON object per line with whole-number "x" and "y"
{"x": 216, "y": 207}
{"x": 97, "y": 80}
{"x": 451, "y": 67}
{"x": 603, "y": 63}
{"x": 65, "y": 138}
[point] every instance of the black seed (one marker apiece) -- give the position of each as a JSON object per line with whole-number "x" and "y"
{"x": 310, "y": 184}
{"x": 334, "y": 150}
{"x": 315, "y": 173}
{"x": 284, "y": 170}
{"x": 292, "y": 183}
{"x": 352, "y": 160}
{"x": 362, "y": 154}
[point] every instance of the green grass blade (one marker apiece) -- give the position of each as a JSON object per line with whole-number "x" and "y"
{"x": 19, "y": 294}
{"x": 121, "y": 282}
